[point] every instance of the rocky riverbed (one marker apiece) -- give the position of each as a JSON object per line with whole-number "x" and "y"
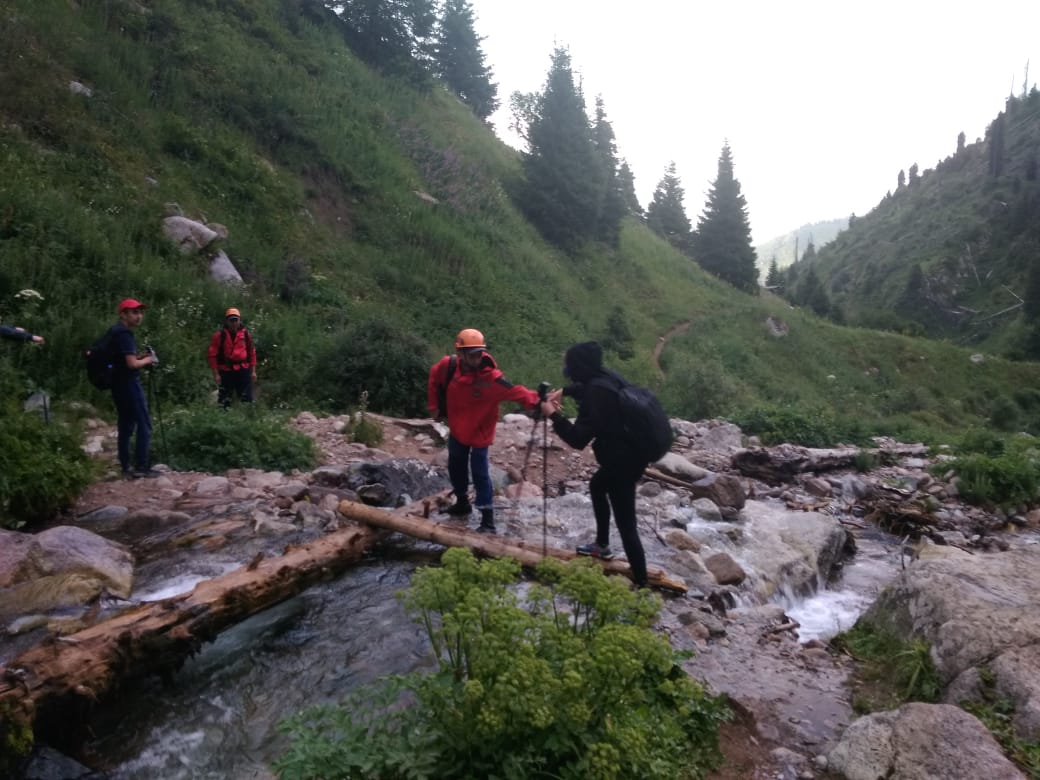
{"x": 750, "y": 552}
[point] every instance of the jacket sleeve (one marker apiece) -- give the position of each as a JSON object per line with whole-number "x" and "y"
{"x": 507, "y": 391}
{"x": 211, "y": 353}
{"x": 14, "y": 333}
{"x": 433, "y": 384}
{"x": 591, "y": 421}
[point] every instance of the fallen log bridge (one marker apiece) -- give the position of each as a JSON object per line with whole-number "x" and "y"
{"x": 65, "y": 674}
{"x": 490, "y": 546}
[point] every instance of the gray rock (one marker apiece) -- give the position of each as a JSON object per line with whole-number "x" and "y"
{"x": 920, "y": 742}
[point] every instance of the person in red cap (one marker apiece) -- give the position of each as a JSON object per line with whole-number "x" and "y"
{"x": 232, "y": 358}
{"x": 466, "y": 389}
{"x": 127, "y": 392}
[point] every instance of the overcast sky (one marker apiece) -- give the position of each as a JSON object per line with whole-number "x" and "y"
{"x": 822, "y": 102}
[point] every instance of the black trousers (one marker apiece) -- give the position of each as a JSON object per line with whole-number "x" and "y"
{"x": 235, "y": 382}
{"x": 614, "y": 486}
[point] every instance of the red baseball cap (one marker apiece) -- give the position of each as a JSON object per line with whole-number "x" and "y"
{"x": 130, "y": 303}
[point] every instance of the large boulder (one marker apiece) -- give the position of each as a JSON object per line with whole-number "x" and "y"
{"x": 60, "y": 567}
{"x": 920, "y": 742}
{"x": 789, "y": 549}
{"x": 977, "y": 612}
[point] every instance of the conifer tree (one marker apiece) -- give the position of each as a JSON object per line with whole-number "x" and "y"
{"x": 812, "y": 294}
{"x": 563, "y": 191}
{"x": 459, "y": 60}
{"x": 666, "y": 214}
{"x": 627, "y": 186}
{"x": 722, "y": 242}
{"x": 612, "y": 203}
{"x": 393, "y": 35}
{"x": 773, "y": 278}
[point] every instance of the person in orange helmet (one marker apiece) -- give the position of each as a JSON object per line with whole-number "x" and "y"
{"x": 466, "y": 390}
{"x": 232, "y": 358}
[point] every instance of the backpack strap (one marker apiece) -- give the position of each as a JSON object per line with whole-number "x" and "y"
{"x": 442, "y": 389}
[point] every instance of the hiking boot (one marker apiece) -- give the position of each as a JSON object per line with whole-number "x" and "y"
{"x": 128, "y": 474}
{"x": 487, "y": 522}
{"x": 146, "y": 474}
{"x": 594, "y": 550}
{"x": 460, "y": 509}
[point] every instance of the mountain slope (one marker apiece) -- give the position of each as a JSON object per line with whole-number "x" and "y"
{"x": 371, "y": 219}
{"x": 949, "y": 253}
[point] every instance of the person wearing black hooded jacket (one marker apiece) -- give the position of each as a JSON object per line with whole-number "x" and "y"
{"x": 613, "y": 486}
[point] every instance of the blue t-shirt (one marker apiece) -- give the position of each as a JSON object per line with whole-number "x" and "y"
{"x": 123, "y": 344}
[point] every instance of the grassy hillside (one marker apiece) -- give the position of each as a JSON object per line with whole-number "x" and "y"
{"x": 255, "y": 115}
{"x": 948, "y": 254}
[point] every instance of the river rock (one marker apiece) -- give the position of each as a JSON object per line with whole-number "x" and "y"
{"x": 60, "y": 567}
{"x": 920, "y": 742}
{"x": 977, "y": 611}
{"x": 798, "y": 549}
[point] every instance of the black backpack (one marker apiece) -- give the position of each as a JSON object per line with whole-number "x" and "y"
{"x": 101, "y": 360}
{"x": 644, "y": 421}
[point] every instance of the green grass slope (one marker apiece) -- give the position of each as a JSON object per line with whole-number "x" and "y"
{"x": 256, "y": 115}
{"x": 970, "y": 226}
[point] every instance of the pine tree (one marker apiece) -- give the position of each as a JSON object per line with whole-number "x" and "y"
{"x": 563, "y": 191}
{"x": 773, "y": 278}
{"x": 459, "y": 60}
{"x": 627, "y": 186}
{"x": 722, "y": 242}
{"x": 393, "y": 35}
{"x": 666, "y": 214}
{"x": 612, "y": 201}
{"x": 812, "y": 294}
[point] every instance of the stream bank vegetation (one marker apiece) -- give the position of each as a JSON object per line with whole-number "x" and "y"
{"x": 567, "y": 681}
{"x": 891, "y": 671}
{"x": 997, "y": 714}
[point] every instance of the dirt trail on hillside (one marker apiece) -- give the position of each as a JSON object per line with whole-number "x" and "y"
{"x": 675, "y": 330}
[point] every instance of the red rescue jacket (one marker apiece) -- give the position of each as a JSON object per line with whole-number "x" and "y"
{"x": 239, "y": 351}
{"x": 473, "y": 399}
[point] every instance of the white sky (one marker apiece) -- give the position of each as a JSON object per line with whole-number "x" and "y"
{"x": 822, "y": 102}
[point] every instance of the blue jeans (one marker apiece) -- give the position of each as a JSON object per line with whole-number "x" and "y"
{"x": 133, "y": 415}
{"x": 462, "y": 459}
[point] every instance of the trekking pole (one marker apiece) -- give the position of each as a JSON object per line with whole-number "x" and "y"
{"x": 154, "y": 400}
{"x": 543, "y": 392}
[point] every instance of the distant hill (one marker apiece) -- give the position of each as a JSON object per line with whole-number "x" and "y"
{"x": 371, "y": 216}
{"x": 952, "y": 252}
{"x": 784, "y": 247}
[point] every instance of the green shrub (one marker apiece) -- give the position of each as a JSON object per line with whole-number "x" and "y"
{"x": 42, "y": 468}
{"x": 214, "y": 440}
{"x": 809, "y": 428}
{"x": 362, "y": 429}
{"x": 391, "y": 364}
{"x": 983, "y": 442}
{"x": 571, "y": 684}
{"x": 1007, "y": 480}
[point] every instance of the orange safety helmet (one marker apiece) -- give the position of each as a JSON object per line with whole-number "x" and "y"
{"x": 470, "y": 338}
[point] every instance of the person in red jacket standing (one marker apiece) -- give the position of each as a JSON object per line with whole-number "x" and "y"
{"x": 232, "y": 358}
{"x": 466, "y": 389}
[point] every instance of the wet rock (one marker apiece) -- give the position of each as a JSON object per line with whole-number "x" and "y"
{"x": 681, "y": 540}
{"x": 707, "y": 509}
{"x": 725, "y": 570}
